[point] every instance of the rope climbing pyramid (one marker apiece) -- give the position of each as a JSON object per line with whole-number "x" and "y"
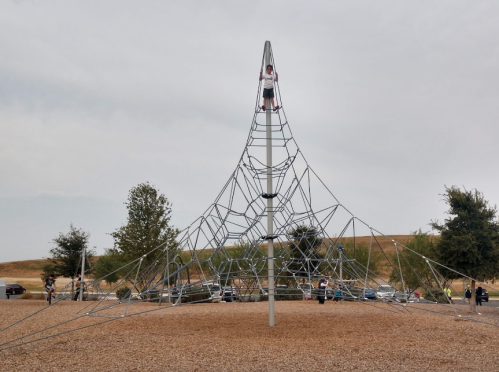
{"x": 315, "y": 239}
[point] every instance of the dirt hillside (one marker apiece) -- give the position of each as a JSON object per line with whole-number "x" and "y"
{"x": 32, "y": 269}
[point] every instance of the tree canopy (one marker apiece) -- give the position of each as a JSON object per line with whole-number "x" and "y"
{"x": 107, "y": 267}
{"x": 363, "y": 255}
{"x": 416, "y": 272}
{"x": 305, "y": 244}
{"x": 469, "y": 241}
{"x": 148, "y": 227}
{"x": 66, "y": 255}
{"x": 149, "y": 214}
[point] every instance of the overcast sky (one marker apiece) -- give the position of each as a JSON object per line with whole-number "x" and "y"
{"x": 389, "y": 102}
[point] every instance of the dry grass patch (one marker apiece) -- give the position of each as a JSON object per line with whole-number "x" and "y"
{"x": 31, "y": 285}
{"x": 32, "y": 296}
{"x": 23, "y": 269}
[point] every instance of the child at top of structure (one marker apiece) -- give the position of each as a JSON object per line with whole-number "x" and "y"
{"x": 268, "y": 86}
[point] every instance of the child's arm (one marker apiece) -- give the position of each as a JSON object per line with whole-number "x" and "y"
{"x": 276, "y": 76}
{"x": 260, "y": 74}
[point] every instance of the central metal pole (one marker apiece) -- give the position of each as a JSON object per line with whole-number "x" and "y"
{"x": 342, "y": 291}
{"x": 270, "y": 204}
{"x": 82, "y": 286}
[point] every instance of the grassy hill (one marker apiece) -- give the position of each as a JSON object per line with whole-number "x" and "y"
{"x": 32, "y": 269}
{"x": 22, "y": 269}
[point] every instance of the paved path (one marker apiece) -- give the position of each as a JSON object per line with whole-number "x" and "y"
{"x": 493, "y": 302}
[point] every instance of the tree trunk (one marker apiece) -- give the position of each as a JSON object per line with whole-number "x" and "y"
{"x": 473, "y": 294}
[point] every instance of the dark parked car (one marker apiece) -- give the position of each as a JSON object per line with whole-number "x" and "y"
{"x": 229, "y": 294}
{"x": 368, "y": 293}
{"x": 485, "y": 295}
{"x": 16, "y": 289}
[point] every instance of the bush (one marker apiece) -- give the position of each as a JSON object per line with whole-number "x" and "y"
{"x": 122, "y": 292}
{"x": 435, "y": 294}
{"x": 288, "y": 294}
{"x": 26, "y": 296}
{"x": 29, "y": 296}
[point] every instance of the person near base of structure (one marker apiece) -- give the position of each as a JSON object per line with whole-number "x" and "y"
{"x": 447, "y": 292}
{"x": 322, "y": 291}
{"x": 268, "y": 86}
{"x": 80, "y": 286}
{"x": 467, "y": 294}
{"x": 50, "y": 286}
{"x": 337, "y": 292}
{"x": 478, "y": 297}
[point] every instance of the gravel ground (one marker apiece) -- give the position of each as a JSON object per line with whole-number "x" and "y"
{"x": 236, "y": 337}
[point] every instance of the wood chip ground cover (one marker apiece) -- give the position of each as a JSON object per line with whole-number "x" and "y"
{"x": 236, "y": 337}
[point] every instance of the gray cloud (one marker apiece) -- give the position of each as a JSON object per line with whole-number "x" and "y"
{"x": 388, "y": 101}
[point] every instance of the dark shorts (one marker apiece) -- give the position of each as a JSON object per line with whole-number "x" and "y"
{"x": 268, "y": 93}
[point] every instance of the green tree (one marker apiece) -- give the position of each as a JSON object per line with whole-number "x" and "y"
{"x": 67, "y": 253}
{"x": 221, "y": 263}
{"x": 416, "y": 272}
{"x": 107, "y": 267}
{"x": 47, "y": 269}
{"x": 469, "y": 241}
{"x": 363, "y": 257}
{"x": 304, "y": 243}
{"x": 148, "y": 227}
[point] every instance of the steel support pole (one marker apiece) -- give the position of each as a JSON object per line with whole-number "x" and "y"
{"x": 168, "y": 276}
{"x": 164, "y": 278}
{"x": 342, "y": 292}
{"x": 82, "y": 285}
{"x": 270, "y": 204}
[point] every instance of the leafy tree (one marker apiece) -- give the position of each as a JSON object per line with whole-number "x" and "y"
{"x": 65, "y": 257}
{"x": 416, "y": 272}
{"x": 220, "y": 263}
{"x": 107, "y": 266}
{"x": 304, "y": 243}
{"x": 469, "y": 241}
{"x": 361, "y": 255}
{"x": 148, "y": 227}
{"x": 47, "y": 270}
{"x": 122, "y": 292}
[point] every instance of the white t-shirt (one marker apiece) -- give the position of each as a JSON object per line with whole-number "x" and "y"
{"x": 268, "y": 80}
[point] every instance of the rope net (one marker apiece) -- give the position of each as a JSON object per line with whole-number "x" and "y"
{"x": 315, "y": 238}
